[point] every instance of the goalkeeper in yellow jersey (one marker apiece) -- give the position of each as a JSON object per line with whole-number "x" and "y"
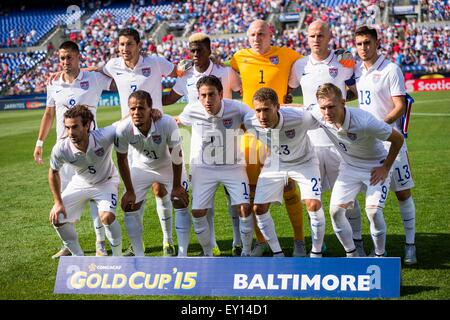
{"x": 263, "y": 65}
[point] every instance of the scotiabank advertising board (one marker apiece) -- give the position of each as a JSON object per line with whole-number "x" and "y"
{"x": 418, "y": 85}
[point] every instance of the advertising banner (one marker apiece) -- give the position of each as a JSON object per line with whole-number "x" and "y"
{"x": 222, "y": 276}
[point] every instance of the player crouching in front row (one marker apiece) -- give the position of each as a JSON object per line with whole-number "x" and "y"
{"x": 96, "y": 179}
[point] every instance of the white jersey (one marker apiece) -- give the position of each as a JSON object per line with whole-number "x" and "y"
{"x": 359, "y": 140}
{"x": 85, "y": 89}
{"x": 187, "y": 84}
{"x": 377, "y": 85}
{"x": 93, "y": 167}
{"x": 146, "y": 75}
{"x": 310, "y": 74}
{"x": 288, "y": 142}
{"x": 151, "y": 151}
{"x": 215, "y": 140}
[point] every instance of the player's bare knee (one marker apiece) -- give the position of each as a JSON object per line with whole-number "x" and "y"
{"x": 244, "y": 210}
{"x": 107, "y": 217}
{"x": 336, "y": 210}
{"x": 313, "y": 204}
{"x": 159, "y": 190}
{"x": 403, "y": 195}
{"x": 178, "y": 204}
{"x": 261, "y": 208}
{"x": 198, "y": 213}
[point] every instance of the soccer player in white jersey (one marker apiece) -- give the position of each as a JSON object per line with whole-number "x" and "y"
{"x": 284, "y": 130}
{"x": 216, "y": 158}
{"x": 200, "y": 50}
{"x": 381, "y": 88}
{"x": 131, "y": 72}
{"x": 154, "y": 138}
{"x": 73, "y": 87}
{"x": 322, "y": 66}
{"x": 366, "y": 165}
{"x": 96, "y": 179}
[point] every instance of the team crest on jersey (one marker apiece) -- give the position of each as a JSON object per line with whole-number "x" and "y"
{"x": 351, "y": 136}
{"x": 84, "y": 85}
{"x": 146, "y": 71}
{"x": 227, "y": 123}
{"x": 290, "y": 133}
{"x": 333, "y": 72}
{"x": 376, "y": 77}
{"x": 156, "y": 139}
{"x": 274, "y": 60}
{"x": 100, "y": 152}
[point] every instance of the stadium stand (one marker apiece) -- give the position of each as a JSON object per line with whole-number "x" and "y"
{"x": 417, "y": 48}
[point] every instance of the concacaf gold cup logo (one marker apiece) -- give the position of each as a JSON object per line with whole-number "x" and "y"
{"x": 112, "y": 277}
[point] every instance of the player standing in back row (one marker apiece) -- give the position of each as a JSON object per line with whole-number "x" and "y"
{"x": 381, "y": 90}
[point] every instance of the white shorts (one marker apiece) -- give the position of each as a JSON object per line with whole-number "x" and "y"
{"x": 329, "y": 162}
{"x": 144, "y": 178}
{"x": 205, "y": 180}
{"x": 351, "y": 181}
{"x": 271, "y": 182}
{"x": 401, "y": 175}
{"x": 76, "y": 197}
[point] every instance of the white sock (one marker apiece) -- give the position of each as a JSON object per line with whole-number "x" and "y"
{"x": 234, "y": 215}
{"x": 246, "y": 230}
{"x": 98, "y": 225}
{"x": 212, "y": 231}
{"x": 317, "y": 221}
{"x": 342, "y": 228}
{"x": 377, "y": 229}
{"x": 69, "y": 237}
{"x": 134, "y": 229}
{"x": 114, "y": 234}
{"x": 408, "y": 213}
{"x": 267, "y": 227}
{"x": 202, "y": 230}
{"x": 182, "y": 227}
{"x": 354, "y": 218}
{"x": 164, "y": 209}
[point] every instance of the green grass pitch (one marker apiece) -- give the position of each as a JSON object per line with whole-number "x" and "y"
{"x": 28, "y": 240}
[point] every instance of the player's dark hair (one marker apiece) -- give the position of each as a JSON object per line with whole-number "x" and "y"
{"x": 366, "y": 31}
{"x": 69, "y": 45}
{"x": 130, "y": 32}
{"x": 266, "y": 94}
{"x": 210, "y": 81}
{"x": 142, "y": 95}
{"x": 82, "y": 111}
{"x": 328, "y": 90}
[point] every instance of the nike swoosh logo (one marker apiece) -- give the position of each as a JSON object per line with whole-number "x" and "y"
{"x": 403, "y": 183}
{"x": 304, "y": 74}
{"x": 119, "y": 73}
{"x": 58, "y": 91}
{"x": 190, "y": 84}
{"x": 133, "y": 142}
{"x": 72, "y": 161}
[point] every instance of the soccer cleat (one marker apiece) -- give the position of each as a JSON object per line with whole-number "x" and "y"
{"x": 244, "y": 254}
{"x": 260, "y": 249}
{"x": 100, "y": 249}
{"x": 169, "y": 250}
{"x": 352, "y": 254}
{"x": 315, "y": 255}
{"x": 299, "y": 249}
{"x": 237, "y": 251}
{"x": 129, "y": 252}
{"x": 216, "y": 251}
{"x": 410, "y": 254}
{"x": 279, "y": 254}
{"x": 372, "y": 254}
{"x": 360, "y": 247}
{"x": 63, "y": 252}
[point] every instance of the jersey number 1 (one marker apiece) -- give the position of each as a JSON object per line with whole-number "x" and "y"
{"x": 261, "y": 72}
